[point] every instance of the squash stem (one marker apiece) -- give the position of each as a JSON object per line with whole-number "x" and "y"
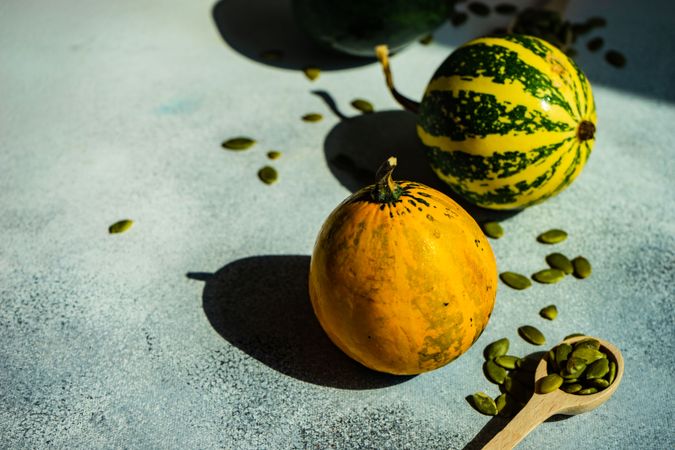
{"x": 382, "y": 52}
{"x": 586, "y": 130}
{"x": 386, "y": 190}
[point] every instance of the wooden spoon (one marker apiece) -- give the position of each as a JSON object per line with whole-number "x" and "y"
{"x": 542, "y": 406}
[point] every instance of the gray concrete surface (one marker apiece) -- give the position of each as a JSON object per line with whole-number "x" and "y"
{"x": 193, "y": 329}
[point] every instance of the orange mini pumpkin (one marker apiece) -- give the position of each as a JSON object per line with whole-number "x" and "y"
{"x": 402, "y": 279}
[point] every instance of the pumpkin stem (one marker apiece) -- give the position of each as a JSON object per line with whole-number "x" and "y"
{"x": 382, "y": 52}
{"x": 586, "y": 130}
{"x": 386, "y": 190}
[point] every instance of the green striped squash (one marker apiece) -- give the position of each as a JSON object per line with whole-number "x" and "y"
{"x": 508, "y": 121}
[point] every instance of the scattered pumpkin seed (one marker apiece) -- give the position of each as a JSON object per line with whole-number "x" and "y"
{"x": 268, "y": 175}
{"x": 363, "y": 105}
{"x": 272, "y": 55}
{"x": 506, "y": 9}
{"x": 582, "y": 267}
{"x": 120, "y": 227}
{"x": 599, "y": 383}
{"x": 595, "y": 44}
{"x": 549, "y": 312}
{"x": 549, "y": 383}
{"x": 515, "y": 280}
{"x": 500, "y": 402}
{"x": 312, "y": 117}
{"x": 570, "y": 336}
{"x": 479, "y": 9}
{"x": 532, "y": 335}
{"x": 458, "y": 18}
{"x": 484, "y": 404}
{"x": 590, "y": 343}
{"x": 562, "y": 352}
{"x": 507, "y": 361}
{"x": 238, "y": 143}
{"x": 571, "y": 388}
{"x": 493, "y": 230}
{"x": 426, "y": 40}
{"x": 560, "y": 262}
{"x": 588, "y": 391}
{"x": 496, "y": 348}
{"x": 273, "y": 154}
{"x": 493, "y": 372}
{"x": 548, "y": 276}
{"x": 615, "y": 58}
{"x": 312, "y": 73}
{"x": 611, "y": 375}
{"x": 598, "y": 369}
{"x": 553, "y": 236}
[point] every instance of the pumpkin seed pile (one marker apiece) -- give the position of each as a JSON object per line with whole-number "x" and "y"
{"x": 544, "y": 24}
{"x": 582, "y": 368}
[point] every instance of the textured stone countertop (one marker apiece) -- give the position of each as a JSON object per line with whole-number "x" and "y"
{"x": 194, "y": 328}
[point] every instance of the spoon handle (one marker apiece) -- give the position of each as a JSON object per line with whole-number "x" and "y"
{"x": 537, "y": 409}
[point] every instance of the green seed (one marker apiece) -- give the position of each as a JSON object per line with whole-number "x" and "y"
{"x": 615, "y": 58}
{"x": 573, "y": 335}
{"x": 500, "y": 402}
{"x": 121, "y": 226}
{"x": 497, "y": 348}
{"x": 458, "y": 18}
{"x": 595, "y": 44}
{"x": 507, "y": 361}
{"x": 479, "y": 9}
{"x": 611, "y": 375}
{"x": 515, "y": 280}
{"x": 570, "y": 380}
{"x": 484, "y": 404}
{"x": 560, "y": 262}
{"x": 238, "y": 143}
{"x": 587, "y": 354}
{"x": 268, "y": 175}
{"x": 549, "y": 383}
{"x": 532, "y": 335}
{"x": 505, "y": 9}
{"x": 599, "y": 383}
{"x": 552, "y": 236}
{"x": 493, "y": 230}
{"x": 273, "y": 154}
{"x": 493, "y": 372}
{"x": 598, "y": 369}
{"x": 590, "y": 343}
{"x": 588, "y": 391}
{"x": 312, "y": 117}
{"x": 582, "y": 267}
{"x": 562, "y": 352}
{"x": 550, "y": 312}
{"x": 312, "y": 73}
{"x": 363, "y": 105}
{"x": 426, "y": 40}
{"x": 571, "y": 388}
{"x": 548, "y": 276}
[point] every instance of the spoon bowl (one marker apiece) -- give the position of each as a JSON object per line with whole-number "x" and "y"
{"x": 542, "y": 406}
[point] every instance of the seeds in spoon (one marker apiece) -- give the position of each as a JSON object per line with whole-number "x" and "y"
{"x": 549, "y": 383}
{"x": 515, "y": 280}
{"x": 553, "y": 236}
{"x": 550, "y": 312}
{"x": 532, "y": 335}
{"x": 598, "y": 369}
{"x": 570, "y": 336}
{"x": 612, "y": 372}
{"x": 571, "y": 388}
{"x": 588, "y": 391}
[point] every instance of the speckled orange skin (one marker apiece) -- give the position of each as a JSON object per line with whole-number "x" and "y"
{"x": 403, "y": 287}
